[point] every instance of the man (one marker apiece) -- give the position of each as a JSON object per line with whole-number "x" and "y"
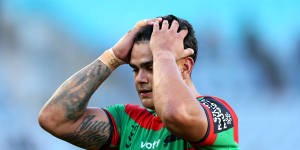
{"x": 162, "y": 52}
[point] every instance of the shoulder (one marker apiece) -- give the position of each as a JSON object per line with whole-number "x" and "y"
{"x": 216, "y": 104}
{"x": 130, "y": 111}
{"x": 220, "y": 111}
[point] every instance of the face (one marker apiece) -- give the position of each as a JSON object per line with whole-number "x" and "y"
{"x": 141, "y": 62}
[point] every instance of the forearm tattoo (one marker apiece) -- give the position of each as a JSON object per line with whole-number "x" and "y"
{"x": 90, "y": 133}
{"x": 74, "y": 94}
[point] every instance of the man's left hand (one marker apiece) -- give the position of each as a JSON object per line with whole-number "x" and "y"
{"x": 168, "y": 41}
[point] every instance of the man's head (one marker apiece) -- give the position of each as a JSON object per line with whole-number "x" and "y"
{"x": 190, "y": 40}
{"x": 141, "y": 58}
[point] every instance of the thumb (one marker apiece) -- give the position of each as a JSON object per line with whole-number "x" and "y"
{"x": 187, "y": 52}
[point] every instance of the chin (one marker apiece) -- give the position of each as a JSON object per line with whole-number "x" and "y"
{"x": 147, "y": 102}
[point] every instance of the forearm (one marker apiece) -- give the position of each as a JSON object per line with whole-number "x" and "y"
{"x": 71, "y": 98}
{"x": 173, "y": 99}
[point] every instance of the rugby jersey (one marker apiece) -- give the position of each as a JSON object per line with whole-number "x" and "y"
{"x": 134, "y": 127}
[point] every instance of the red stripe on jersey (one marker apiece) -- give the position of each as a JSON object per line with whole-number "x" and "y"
{"x": 143, "y": 117}
{"x": 235, "y": 119}
{"x": 210, "y": 139}
{"x": 233, "y": 114}
{"x": 116, "y": 138}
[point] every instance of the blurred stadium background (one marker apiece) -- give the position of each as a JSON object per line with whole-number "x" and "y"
{"x": 249, "y": 55}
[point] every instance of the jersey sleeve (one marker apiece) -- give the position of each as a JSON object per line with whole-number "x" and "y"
{"x": 222, "y": 125}
{"x": 115, "y": 115}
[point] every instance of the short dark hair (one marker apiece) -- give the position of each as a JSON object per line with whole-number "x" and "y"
{"x": 190, "y": 41}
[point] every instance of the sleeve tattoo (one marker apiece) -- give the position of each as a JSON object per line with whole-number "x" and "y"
{"x": 90, "y": 133}
{"x": 71, "y": 100}
{"x": 74, "y": 94}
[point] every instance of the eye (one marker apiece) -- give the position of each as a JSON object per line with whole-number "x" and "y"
{"x": 150, "y": 68}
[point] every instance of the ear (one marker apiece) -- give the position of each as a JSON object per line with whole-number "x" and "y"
{"x": 187, "y": 67}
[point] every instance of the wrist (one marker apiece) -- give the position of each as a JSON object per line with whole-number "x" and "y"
{"x": 110, "y": 60}
{"x": 165, "y": 55}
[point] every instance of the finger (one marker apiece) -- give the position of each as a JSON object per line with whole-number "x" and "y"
{"x": 147, "y": 22}
{"x": 165, "y": 25}
{"x": 174, "y": 26}
{"x": 155, "y": 27}
{"x": 183, "y": 33}
{"x": 187, "y": 52}
{"x": 151, "y": 21}
{"x": 141, "y": 24}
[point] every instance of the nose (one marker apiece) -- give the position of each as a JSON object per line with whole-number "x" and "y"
{"x": 141, "y": 76}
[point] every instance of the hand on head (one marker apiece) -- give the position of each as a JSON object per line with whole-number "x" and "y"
{"x": 169, "y": 40}
{"x": 123, "y": 47}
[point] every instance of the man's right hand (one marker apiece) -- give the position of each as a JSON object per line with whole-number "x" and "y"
{"x": 123, "y": 47}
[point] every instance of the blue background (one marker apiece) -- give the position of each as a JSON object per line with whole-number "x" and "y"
{"x": 249, "y": 55}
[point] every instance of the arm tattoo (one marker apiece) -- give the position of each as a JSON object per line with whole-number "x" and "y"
{"x": 90, "y": 133}
{"x": 73, "y": 95}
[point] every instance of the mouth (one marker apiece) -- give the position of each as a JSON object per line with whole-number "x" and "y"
{"x": 145, "y": 93}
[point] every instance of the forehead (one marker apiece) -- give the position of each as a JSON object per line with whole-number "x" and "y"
{"x": 141, "y": 53}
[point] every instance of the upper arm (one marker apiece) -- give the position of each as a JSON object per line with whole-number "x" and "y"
{"x": 215, "y": 117}
{"x": 222, "y": 124}
{"x": 191, "y": 127}
{"x": 91, "y": 131}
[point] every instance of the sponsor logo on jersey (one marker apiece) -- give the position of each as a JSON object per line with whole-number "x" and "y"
{"x": 150, "y": 145}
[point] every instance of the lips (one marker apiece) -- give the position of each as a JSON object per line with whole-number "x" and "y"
{"x": 145, "y": 92}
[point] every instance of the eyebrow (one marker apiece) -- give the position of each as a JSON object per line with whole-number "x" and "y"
{"x": 143, "y": 64}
